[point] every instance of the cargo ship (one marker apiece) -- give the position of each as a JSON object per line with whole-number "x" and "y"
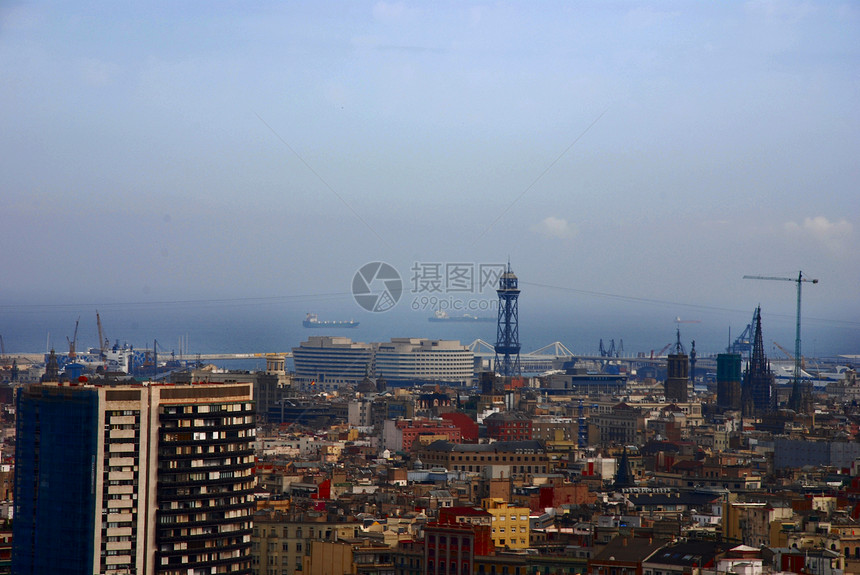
{"x": 442, "y": 316}
{"x": 311, "y": 320}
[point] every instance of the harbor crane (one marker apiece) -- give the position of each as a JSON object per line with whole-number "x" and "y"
{"x": 3, "y": 363}
{"x": 662, "y": 351}
{"x": 611, "y": 351}
{"x": 799, "y": 280}
{"x": 104, "y": 343}
{"x": 74, "y": 341}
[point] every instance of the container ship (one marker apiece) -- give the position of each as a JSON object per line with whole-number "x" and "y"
{"x": 311, "y": 320}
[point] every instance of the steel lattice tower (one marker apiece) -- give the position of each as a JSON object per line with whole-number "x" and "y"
{"x": 508, "y": 332}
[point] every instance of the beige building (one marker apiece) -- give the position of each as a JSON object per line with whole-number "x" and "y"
{"x": 512, "y": 458}
{"x": 750, "y": 522}
{"x": 355, "y": 557}
{"x": 280, "y": 544}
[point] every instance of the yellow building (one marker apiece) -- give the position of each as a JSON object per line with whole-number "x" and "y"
{"x": 510, "y": 525}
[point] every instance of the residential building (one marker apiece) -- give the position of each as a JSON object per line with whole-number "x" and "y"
{"x": 401, "y": 435}
{"x": 349, "y": 557}
{"x": 280, "y": 542}
{"x": 511, "y": 458}
{"x": 509, "y": 426}
{"x": 510, "y": 523}
{"x": 450, "y": 548}
{"x": 134, "y": 479}
{"x": 624, "y": 555}
{"x": 623, "y": 425}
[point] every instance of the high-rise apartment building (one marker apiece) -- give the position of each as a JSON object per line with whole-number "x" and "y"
{"x": 134, "y": 479}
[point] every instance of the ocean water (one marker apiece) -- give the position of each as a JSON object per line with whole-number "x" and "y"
{"x": 247, "y": 326}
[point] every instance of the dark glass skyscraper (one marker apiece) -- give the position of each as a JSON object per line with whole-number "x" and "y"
{"x": 55, "y": 459}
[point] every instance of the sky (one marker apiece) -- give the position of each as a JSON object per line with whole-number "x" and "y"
{"x": 618, "y": 154}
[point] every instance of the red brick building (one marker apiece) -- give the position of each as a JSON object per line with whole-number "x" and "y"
{"x": 468, "y": 426}
{"x": 509, "y": 426}
{"x": 451, "y": 548}
{"x": 401, "y": 434}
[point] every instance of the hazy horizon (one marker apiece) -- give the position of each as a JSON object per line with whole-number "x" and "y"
{"x": 631, "y": 160}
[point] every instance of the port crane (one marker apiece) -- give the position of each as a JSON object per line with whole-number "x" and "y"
{"x": 799, "y": 280}
{"x": 3, "y": 362}
{"x": 74, "y": 341}
{"x": 743, "y": 343}
{"x": 611, "y": 351}
{"x": 662, "y": 351}
{"x": 103, "y": 341}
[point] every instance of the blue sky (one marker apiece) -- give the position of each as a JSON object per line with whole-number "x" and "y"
{"x": 654, "y": 150}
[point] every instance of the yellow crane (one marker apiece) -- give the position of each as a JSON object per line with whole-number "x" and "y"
{"x": 783, "y": 350}
{"x": 74, "y": 341}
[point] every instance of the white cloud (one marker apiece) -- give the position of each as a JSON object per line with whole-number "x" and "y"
{"x": 554, "y": 227}
{"x": 833, "y": 235}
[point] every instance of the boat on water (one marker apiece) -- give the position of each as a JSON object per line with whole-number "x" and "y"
{"x": 311, "y": 320}
{"x": 442, "y": 316}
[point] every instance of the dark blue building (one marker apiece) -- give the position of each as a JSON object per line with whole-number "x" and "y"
{"x": 55, "y": 480}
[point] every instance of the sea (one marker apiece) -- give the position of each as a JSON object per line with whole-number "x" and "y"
{"x": 261, "y": 325}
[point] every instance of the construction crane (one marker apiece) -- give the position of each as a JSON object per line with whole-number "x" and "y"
{"x": 789, "y": 355}
{"x": 799, "y": 280}
{"x": 783, "y": 350}
{"x": 74, "y": 341}
{"x": 103, "y": 341}
{"x": 662, "y": 351}
{"x": 3, "y": 363}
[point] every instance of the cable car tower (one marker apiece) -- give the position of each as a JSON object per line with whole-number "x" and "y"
{"x": 507, "y": 362}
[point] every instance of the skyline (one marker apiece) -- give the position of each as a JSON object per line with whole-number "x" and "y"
{"x": 657, "y": 152}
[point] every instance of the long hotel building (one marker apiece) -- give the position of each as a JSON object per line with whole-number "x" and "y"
{"x": 134, "y": 479}
{"x": 329, "y": 362}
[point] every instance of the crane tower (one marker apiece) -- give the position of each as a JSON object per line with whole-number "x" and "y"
{"x": 799, "y": 280}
